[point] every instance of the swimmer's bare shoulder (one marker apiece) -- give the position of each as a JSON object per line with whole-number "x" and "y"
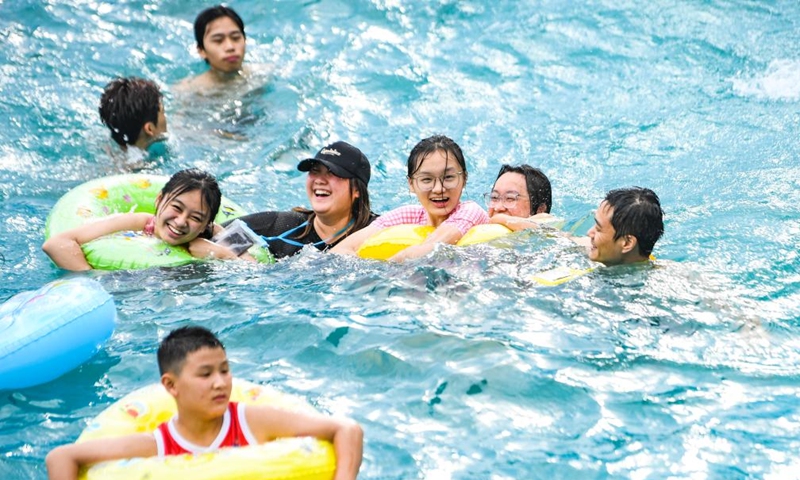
{"x": 196, "y": 84}
{"x": 211, "y": 83}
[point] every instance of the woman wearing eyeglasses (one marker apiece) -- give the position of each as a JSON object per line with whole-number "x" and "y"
{"x": 437, "y": 174}
{"x": 520, "y": 198}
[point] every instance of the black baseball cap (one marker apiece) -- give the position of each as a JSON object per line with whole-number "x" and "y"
{"x": 341, "y": 158}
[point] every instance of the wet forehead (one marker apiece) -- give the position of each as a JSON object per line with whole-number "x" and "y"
{"x": 510, "y": 182}
{"x": 222, "y": 26}
{"x": 192, "y": 201}
{"x": 603, "y": 215}
{"x": 436, "y": 163}
{"x": 205, "y": 357}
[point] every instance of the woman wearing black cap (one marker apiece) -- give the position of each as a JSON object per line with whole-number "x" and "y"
{"x": 336, "y": 186}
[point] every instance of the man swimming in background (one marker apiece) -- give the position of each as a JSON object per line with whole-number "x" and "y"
{"x": 132, "y": 110}
{"x": 628, "y": 223}
{"x": 220, "y": 37}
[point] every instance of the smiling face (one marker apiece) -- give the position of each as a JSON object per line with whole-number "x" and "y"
{"x": 203, "y": 385}
{"x": 436, "y": 170}
{"x": 223, "y": 45}
{"x": 329, "y": 195}
{"x": 508, "y": 186}
{"x": 180, "y": 219}
{"x": 603, "y": 247}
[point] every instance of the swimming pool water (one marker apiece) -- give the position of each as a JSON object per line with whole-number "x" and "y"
{"x": 458, "y": 365}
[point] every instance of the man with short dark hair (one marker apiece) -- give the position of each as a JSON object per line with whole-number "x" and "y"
{"x": 628, "y": 223}
{"x": 521, "y": 198}
{"x": 221, "y": 43}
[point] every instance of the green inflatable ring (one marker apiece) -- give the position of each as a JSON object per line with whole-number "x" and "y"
{"x": 128, "y": 250}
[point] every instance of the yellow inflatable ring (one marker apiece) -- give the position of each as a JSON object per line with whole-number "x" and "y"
{"x": 391, "y": 240}
{"x": 483, "y": 233}
{"x": 143, "y": 410}
{"x": 384, "y": 244}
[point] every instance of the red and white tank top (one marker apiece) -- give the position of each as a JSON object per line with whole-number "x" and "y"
{"x": 234, "y": 433}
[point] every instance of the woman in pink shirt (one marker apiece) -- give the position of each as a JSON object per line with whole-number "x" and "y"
{"x": 437, "y": 174}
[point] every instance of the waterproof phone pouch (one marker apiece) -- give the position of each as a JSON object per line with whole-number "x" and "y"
{"x": 238, "y": 237}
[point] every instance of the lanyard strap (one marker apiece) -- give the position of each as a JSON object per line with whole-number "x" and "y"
{"x": 283, "y": 237}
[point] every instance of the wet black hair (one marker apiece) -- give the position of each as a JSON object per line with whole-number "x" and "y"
{"x": 126, "y": 105}
{"x": 434, "y": 143}
{"x": 536, "y": 182}
{"x": 194, "y": 179}
{"x": 209, "y": 15}
{"x": 637, "y": 212}
{"x": 179, "y": 343}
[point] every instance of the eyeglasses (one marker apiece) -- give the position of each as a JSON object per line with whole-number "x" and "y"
{"x": 426, "y": 183}
{"x": 508, "y": 200}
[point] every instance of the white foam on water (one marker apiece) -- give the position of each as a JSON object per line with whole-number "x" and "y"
{"x": 780, "y": 81}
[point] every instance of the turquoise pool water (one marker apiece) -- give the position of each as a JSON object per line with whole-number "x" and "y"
{"x": 457, "y": 366}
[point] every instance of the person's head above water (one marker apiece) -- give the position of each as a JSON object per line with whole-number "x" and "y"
{"x": 338, "y": 177}
{"x": 220, "y": 37}
{"x": 133, "y": 111}
{"x": 186, "y": 207}
{"x": 437, "y": 174}
{"x": 520, "y": 191}
{"x": 181, "y": 342}
{"x": 628, "y": 223}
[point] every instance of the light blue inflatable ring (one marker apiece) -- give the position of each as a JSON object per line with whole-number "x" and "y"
{"x": 47, "y": 332}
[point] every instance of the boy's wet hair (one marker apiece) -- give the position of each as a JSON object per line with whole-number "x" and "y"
{"x": 209, "y": 15}
{"x": 434, "y": 143}
{"x": 126, "y": 105}
{"x": 637, "y": 212}
{"x": 536, "y": 182}
{"x": 195, "y": 179}
{"x": 180, "y": 343}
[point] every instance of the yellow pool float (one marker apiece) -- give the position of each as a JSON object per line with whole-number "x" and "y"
{"x": 384, "y": 244}
{"x": 143, "y": 410}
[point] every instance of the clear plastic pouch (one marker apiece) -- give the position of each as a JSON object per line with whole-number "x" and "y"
{"x": 238, "y": 237}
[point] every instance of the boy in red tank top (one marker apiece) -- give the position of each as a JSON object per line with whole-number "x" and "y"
{"x": 195, "y": 371}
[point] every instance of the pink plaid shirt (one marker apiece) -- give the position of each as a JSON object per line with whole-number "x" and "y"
{"x": 465, "y": 216}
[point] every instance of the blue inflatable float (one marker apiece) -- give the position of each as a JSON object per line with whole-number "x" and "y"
{"x": 47, "y": 332}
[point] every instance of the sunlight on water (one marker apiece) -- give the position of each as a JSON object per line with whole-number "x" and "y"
{"x": 459, "y": 365}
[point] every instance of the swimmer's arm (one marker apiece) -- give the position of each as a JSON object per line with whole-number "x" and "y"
{"x": 351, "y": 244}
{"x": 513, "y": 223}
{"x": 585, "y": 242}
{"x": 443, "y": 234}
{"x": 268, "y": 423}
{"x": 65, "y": 248}
{"x": 64, "y": 462}
{"x": 202, "y": 248}
{"x": 520, "y": 223}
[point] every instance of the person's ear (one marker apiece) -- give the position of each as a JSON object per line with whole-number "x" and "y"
{"x": 158, "y": 201}
{"x": 411, "y": 185}
{"x": 542, "y": 208}
{"x": 168, "y": 381}
{"x": 629, "y": 243}
{"x": 202, "y": 52}
{"x": 149, "y": 129}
